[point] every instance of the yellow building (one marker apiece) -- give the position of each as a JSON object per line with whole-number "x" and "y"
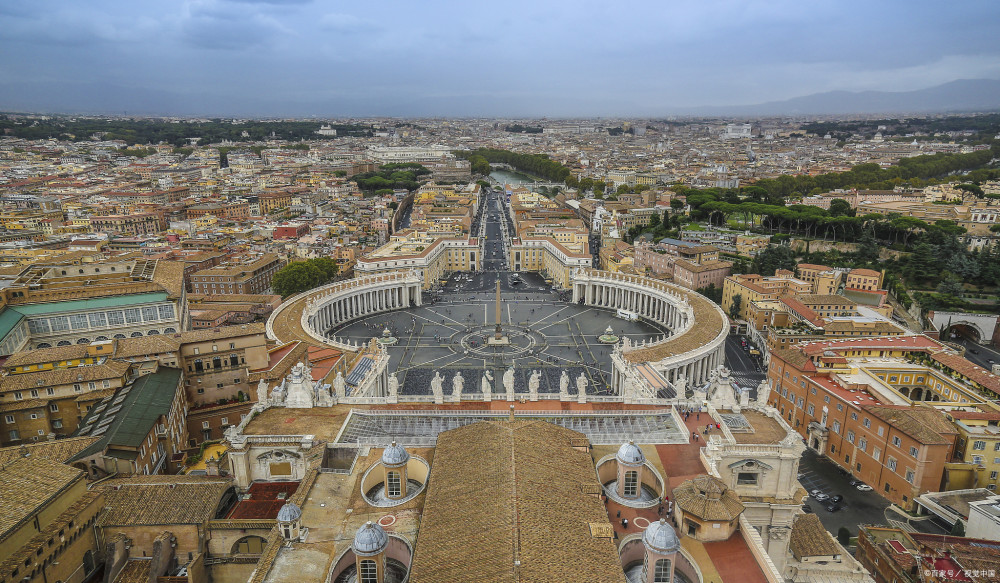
{"x": 434, "y": 256}
{"x": 757, "y": 288}
{"x": 978, "y": 444}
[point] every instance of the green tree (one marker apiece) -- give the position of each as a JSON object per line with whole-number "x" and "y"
{"x": 844, "y": 536}
{"x": 736, "y": 307}
{"x": 951, "y": 285}
{"x": 296, "y": 277}
{"x": 958, "y": 529}
{"x": 841, "y": 208}
{"x": 326, "y": 265}
{"x": 676, "y": 204}
{"x": 773, "y": 258}
{"x": 654, "y": 220}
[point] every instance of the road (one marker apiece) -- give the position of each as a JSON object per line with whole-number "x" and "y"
{"x": 982, "y": 355}
{"x": 495, "y": 229}
{"x": 744, "y": 369}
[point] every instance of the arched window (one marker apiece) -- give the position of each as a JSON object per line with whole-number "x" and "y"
{"x": 169, "y": 331}
{"x": 394, "y": 483}
{"x": 120, "y": 336}
{"x": 83, "y": 341}
{"x": 216, "y": 362}
{"x": 631, "y": 483}
{"x": 43, "y": 345}
{"x": 152, "y": 333}
{"x": 64, "y": 343}
{"x": 137, "y": 335}
{"x": 369, "y": 571}
{"x": 249, "y": 545}
{"x": 661, "y": 571}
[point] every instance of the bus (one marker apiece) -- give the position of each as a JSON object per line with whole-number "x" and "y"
{"x": 627, "y": 315}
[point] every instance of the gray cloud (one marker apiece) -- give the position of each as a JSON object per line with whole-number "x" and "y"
{"x": 574, "y": 57}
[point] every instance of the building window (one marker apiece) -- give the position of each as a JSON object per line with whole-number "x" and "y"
{"x": 812, "y": 409}
{"x": 881, "y": 431}
{"x": 205, "y": 425}
{"x": 854, "y": 416}
{"x": 50, "y": 391}
{"x": 993, "y": 475}
{"x": 850, "y": 436}
{"x": 897, "y": 441}
{"x": 913, "y": 451}
{"x": 394, "y": 483}
{"x": 978, "y": 444}
{"x": 631, "y": 483}
{"x": 867, "y": 423}
{"x": 369, "y": 571}
{"x": 18, "y": 396}
{"x": 863, "y": 444}
{"x": 836, "y": 426}
{"x": 53, "y": 407}
{"x": 661, "y": 571}
{"x": 891, "y": 464}
{"x": 14, "y": 435}
{"x": 8, "y": 418}
{"x": 34, "y": 393}
{"x": 910, "y": 476}
{"x": 747, "y": 478}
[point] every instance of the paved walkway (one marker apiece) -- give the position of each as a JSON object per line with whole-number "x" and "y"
{"x": 734, "y": 561}
{"x": 683, "y": 462}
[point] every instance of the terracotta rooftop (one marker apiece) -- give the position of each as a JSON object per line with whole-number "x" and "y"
{"x": 809, "y": 538}
{"x": 26, "y": 484}
{"x": 484, "y": 519}
{"x": 923, "y": 423}
{"x": 181, "y": 501}
{"x": 708, "y": 498}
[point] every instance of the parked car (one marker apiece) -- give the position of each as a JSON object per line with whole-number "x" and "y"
{"x": 864, "y": 487}
{"x": 854, "y": 482}
{"x": 836, "y": 499}
{"x": 814, "y": 492}
{"x": 807, "y": 508}
{"x": 833, "y": 508}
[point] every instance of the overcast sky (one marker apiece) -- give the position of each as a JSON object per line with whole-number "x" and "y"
{"x": 533, "y": 57}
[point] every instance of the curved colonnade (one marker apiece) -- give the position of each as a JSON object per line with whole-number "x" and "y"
{"x": 694, "y": 348}
{"x": 309, "y": 315}
{"x": 696, "y": 345}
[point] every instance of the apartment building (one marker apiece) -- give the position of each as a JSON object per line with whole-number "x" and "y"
{"x": 252, "y": 276}
{"x": 872, "y": 408}
{"x": 132, "y": 225}
{"x": 756, "y": 288}
{"x": 433, "y": 256}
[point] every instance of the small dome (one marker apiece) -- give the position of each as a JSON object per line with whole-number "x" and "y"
{"x": 370, "y": 540}
{"x": 289, "y": 513}
{"x": 660, "y": 537}
{"x": 394, "y": 455}
{"x": 630, "y": 454}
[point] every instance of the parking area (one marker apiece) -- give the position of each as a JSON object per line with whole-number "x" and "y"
{"x": 817, "y": 473}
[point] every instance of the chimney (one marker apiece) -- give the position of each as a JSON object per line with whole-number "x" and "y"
{"x": 511, "y": 416}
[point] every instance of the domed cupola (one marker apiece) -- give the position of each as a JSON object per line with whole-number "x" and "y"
{"x": 661, "y": 546}
{"x": 370, "y": 540}
{"x": 395, "y": 456}
{"x": 288, "y": 520}
{"x": 660, "y": 537}
{"x": 630, "y": 454}
{"x": 630, "y": 470}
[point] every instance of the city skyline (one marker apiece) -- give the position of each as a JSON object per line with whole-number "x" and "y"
{"x": 302, "y": 58}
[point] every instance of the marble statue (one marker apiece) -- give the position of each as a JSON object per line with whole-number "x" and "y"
{"x": 581, "y": 388}
{"x": 340, "y": 385}
{"x": 533, "y": 383}
{"x": 763, "y": 392}
{"x": 262, "y": 391}
{"x": 437, "y": 384}
{"x": 487, "y": 386}
{"x": 457, "y": 384}
{"x": 300, "y": 388}
{"x": 680, "y": 385}
{"x": 508, "y": 383}
{"x": 393, "y": 385}
{"x": 564, "y": 385}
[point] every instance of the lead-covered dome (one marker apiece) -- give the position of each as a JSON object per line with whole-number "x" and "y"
{"x": 661, "y": 538}
{"x": 630, "y": 454}
{"x": 395, "y": 455}
{"x": 370, "y": 540}
{"x": 290, "y": 512}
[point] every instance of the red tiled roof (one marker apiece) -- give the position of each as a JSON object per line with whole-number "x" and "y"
{"x": 915, "y": 342}
{"x": 975, "y": 373}
{"x": 263, "y": 500}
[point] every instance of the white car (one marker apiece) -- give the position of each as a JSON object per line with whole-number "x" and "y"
{"x": 821, "y": 497}
{"x": 864, "y": 487}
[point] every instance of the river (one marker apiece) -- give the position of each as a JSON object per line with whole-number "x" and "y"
{"x": 508, "y": 177}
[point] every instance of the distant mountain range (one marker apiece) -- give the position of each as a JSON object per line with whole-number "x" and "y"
{"x": 960, "y": 95}
{"x": 964, "y": 95}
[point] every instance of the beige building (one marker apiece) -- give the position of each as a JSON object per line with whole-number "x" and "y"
{"x": 434, "y": 257}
